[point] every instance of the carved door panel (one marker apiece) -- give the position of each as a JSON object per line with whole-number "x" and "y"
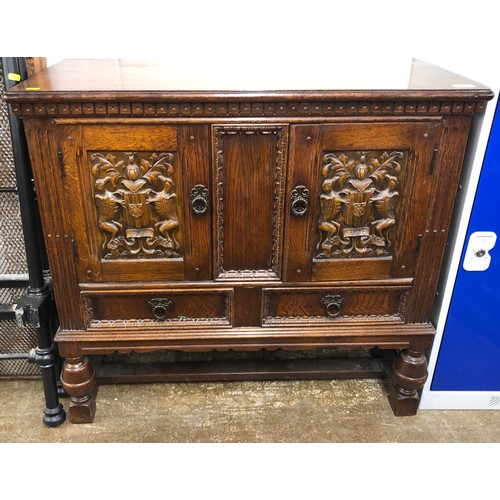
{"x": 138, "y": 196}
{"x": 249, "y": 178}
{"x": 358, "y": 199}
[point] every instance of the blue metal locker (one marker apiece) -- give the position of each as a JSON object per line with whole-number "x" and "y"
{"x": 468, "y": 357}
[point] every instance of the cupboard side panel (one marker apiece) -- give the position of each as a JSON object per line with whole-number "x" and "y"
{"x": 448, "y": 169}
{"x": 55, "y": 217}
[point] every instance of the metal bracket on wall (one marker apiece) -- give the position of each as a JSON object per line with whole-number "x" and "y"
{"x": 31, "y": 308}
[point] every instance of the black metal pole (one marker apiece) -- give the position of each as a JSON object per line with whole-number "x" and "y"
{"x": 22, "y": 166}
{"x": 37, "y": 307}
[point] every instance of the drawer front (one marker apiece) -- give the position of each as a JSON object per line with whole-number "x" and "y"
{"x": 173, "y": 308}
{"x": 317, "y": 306}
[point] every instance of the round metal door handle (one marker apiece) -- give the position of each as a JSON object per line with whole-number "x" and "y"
{"x": 332, "y": 304}
{"x": 199, "y": 199}
{"x": 300, "y": 201}
{"x": 160, "y": 307}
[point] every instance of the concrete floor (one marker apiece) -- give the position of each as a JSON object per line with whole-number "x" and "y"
{"x": 338, "y": 411}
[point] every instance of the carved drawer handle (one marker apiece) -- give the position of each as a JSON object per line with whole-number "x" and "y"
{"x": 160, "y": 308}
{"x": 300, "y": 201}
{"x": 199, "y": 199}
{"x": 332, "y": 304}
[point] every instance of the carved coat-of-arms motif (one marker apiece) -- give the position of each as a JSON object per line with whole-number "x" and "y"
{"x": 359, "y": 193}
{"x": 136, "y": 204}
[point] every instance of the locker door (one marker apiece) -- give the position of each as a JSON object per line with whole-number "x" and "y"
{"x": 469, "y": 355}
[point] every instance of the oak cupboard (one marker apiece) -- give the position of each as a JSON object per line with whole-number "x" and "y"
{"x": 206, "y": 216}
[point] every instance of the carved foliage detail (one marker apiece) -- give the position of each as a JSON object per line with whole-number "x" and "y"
{"x": 136, "y": 204}
{"x": 358, "y": 203}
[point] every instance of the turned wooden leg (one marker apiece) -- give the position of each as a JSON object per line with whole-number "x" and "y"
{"x": 409, "y": 373}
{"x": 79, "y": 381}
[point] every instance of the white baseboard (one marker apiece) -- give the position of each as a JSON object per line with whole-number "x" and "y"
{"x": 460, "y": 400}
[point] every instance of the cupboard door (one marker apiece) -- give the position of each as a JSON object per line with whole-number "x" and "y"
{"x": 138, "y": 200}
{"x": 359, "y": 195}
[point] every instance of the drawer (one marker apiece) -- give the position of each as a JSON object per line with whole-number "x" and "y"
{"x": 176, "y": 308}
{"x": 315, "y": 306}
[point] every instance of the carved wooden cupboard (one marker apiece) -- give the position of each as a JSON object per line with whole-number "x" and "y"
{"x": 221, "y": 218}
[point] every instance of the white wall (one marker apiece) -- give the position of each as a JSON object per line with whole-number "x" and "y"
{"x": 456, "y": 34}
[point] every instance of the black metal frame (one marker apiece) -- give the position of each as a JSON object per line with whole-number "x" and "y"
{"x": 37, "y": 307}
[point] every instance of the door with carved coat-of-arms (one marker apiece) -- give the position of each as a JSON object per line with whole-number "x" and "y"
{"x": 358, "y": 199}
{"x": 138, "y": 196}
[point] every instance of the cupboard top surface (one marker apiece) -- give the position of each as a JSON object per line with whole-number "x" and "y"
{"x": 96, "y": 79}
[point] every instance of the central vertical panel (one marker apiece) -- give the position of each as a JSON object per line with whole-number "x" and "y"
{"x": 249, "y": 165}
